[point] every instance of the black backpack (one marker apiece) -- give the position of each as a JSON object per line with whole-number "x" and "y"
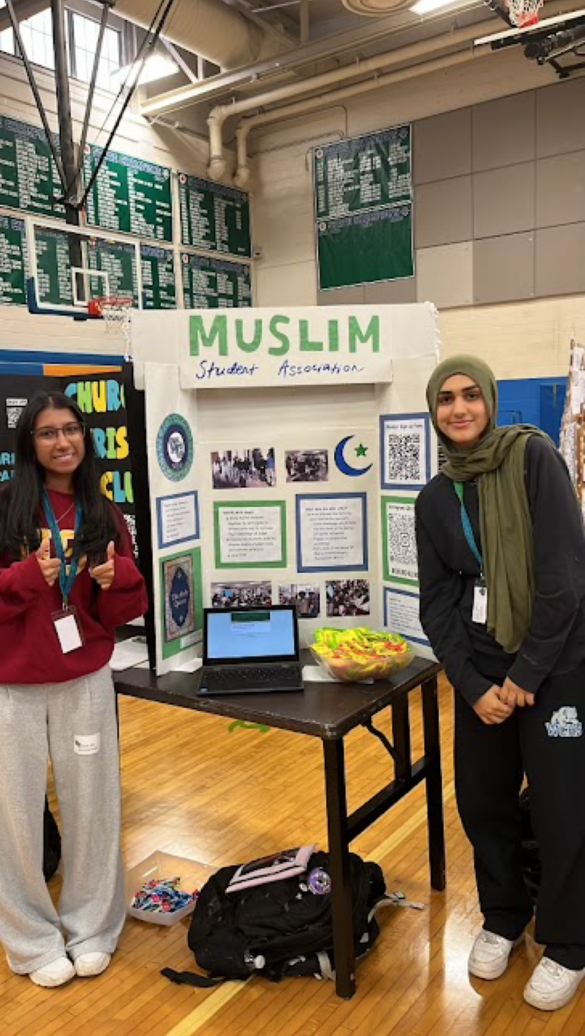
{"x": 281, "y": 928}
{"x": 51, "y": 843}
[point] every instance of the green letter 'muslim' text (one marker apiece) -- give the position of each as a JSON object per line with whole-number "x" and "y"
{"x": 198, "y": 336}
{"x": 372, "y": 333}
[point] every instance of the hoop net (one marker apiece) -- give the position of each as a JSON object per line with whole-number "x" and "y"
{"x": 116, "y": 311}
{"x": 524, "y": 13}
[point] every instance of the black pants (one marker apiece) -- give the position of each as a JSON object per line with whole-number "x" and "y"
{"x": 490, "y": 762}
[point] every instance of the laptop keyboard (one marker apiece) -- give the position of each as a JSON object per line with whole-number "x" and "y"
{"x": 252, "y": 676}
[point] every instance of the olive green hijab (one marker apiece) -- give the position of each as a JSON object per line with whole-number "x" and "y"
{"x": 497, "y": 462}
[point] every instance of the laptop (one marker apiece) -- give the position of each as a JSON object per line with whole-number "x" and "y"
{"x": 250, "y": 650}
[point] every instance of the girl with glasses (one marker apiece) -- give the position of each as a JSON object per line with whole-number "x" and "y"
{"x": 67, "y": 579}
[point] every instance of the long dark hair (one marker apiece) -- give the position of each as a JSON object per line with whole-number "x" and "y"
{"x": 20, "y": 499}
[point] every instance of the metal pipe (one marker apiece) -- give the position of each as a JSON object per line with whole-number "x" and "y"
{"x": 243, "y": 172}
{"x": 94, "y": 75}
{"x": 64, "y": 112}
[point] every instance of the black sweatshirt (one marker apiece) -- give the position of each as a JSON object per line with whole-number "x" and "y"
{"x": 555, "y": 641}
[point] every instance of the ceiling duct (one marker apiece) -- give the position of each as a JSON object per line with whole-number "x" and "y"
{"x": 210, "y": 28}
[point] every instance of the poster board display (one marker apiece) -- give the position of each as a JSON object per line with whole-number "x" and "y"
{"x": 363, "y": 209}
{"x": 264, "y": 479}
{"x": 213, "y": 216}
{"x": 101, "y": 397}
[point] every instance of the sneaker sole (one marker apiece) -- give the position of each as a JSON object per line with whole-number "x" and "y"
{"x": 550, "y": 1005}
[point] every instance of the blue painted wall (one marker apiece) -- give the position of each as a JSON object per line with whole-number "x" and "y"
{"x": 538, "y": 401}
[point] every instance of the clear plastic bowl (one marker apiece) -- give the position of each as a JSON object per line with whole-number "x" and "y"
{"x": 350, "y": 670}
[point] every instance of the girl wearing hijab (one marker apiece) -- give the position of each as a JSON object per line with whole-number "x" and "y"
{"x": 501, "y": 553}
{"x": 67, "y": 579}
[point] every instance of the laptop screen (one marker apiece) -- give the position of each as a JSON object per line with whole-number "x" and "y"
{"x": 251, "y": 634}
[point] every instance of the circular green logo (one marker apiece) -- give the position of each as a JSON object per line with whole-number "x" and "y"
{"x": 174, "y": 447}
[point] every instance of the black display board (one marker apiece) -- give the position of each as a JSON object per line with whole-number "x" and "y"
{"x": 214, "y": 283}
{"x": 129, "y": 195}
{"x": 214, "y": 217}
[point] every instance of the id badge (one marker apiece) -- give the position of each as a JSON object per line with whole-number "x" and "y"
{"x": 68, "y": 629}
{"x": 479, "y": 614}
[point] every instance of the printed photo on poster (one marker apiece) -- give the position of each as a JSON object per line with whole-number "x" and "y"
{"x": 307, "y": 465}
{"x": 243, "y": 469}
{"x": 251, "y": 535}
{"x": 179, "y": 597}
{"x": 401, "y": 615}
{"x": 400, "y": 562}
{"x": 347, "y": 597}
{"x": 332, "y": 532}
{"x": 241, "y": 595}
{"x": 305, "y": 596}
{"x": 405, "y": 454}
{"x": 177, "y": 519}
{"x": 181, "y": 615}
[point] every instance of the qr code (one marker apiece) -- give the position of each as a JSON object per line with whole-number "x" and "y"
{"x": 403, "y": 459}
{"x": 402, "y": 542}
{"x": 14, "y": 408}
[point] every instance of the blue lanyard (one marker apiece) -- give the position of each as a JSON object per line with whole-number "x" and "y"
{"x": 467, "y": 527}
{"x": 67, "y": 574}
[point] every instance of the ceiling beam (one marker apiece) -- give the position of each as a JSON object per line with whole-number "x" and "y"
{"x": 23, "y": 9}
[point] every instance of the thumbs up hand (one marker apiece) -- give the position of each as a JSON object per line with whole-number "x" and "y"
{"x": 49, "y": 566}
{"x": 104, "y": 574}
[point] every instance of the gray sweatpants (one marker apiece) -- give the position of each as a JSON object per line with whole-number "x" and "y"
{"x": 74, "y": 723}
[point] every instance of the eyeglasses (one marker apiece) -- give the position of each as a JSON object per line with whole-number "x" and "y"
{"x": 74, "y": 430}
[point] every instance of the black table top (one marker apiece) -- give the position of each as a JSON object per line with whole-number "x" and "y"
{"x": 325, "y": 710}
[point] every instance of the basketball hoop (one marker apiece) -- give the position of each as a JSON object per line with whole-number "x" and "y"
{"x": 524, "y": 13}
{"x": 116, "y": 311}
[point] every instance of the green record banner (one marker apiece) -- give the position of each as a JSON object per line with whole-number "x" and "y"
{"x": 129, "y": 195}
{"x": 211, "y": 283}
{"x": 363, "y": 209}
{"x": 12, "y": 261}
{"x": 214, "y": 217}
{"x": 28, "y": 176}
{"x": 374, "y": 246}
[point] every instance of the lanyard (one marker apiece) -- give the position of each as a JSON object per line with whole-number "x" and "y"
{"x": 467, "y": 527}
{"x": 66, "y": 575}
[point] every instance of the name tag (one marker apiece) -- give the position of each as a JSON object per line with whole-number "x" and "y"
{"x": 68, "y": 630}
{"x": 479, "y": 613}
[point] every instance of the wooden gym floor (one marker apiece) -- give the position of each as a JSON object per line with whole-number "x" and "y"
{"x": 194, "y": 788}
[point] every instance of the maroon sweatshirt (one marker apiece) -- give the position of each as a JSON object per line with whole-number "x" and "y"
{"x": 30, "y": 652}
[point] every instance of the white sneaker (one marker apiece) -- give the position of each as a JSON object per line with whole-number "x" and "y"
{"x": 552, "y": 985}
{"x": 490, "y": 954}
{"x": 88, "y": 964}
{"x": 57, "y": 973}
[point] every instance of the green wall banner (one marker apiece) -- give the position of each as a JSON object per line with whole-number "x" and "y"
{"x": 210, "y": 283}
{"x": 159, "y": 289}
{"x": 214, "y": 217}
{"x": 363, "y": 209}
{"x": 28, "y": 175}
{"x": 12, "y": 261}
{"x": 129, "y": 195}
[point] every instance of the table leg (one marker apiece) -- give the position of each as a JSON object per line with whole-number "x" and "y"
{"x": 434, "y": 784}
{"x": 401, "y": 737}
{"x": 341, "y": 900}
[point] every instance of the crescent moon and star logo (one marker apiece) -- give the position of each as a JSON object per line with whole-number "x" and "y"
{"x": 341, "y": 457}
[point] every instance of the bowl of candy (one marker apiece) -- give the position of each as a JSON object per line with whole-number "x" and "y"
{"x": 163, "y": 888}
{"x": 352, "y": 655}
